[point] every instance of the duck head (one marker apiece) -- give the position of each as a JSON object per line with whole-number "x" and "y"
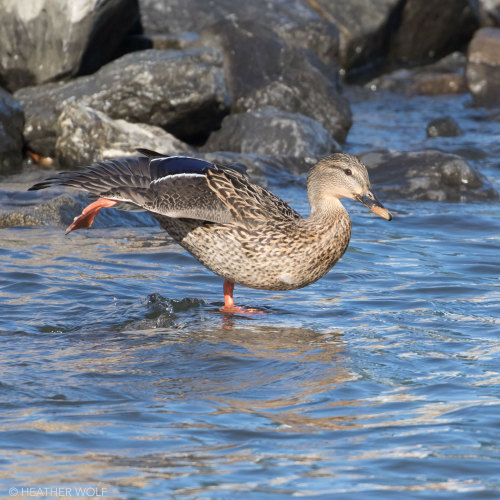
{"x": 342, "y": 176}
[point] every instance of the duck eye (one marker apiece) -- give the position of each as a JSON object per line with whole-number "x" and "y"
{"x": 348, "y": 171}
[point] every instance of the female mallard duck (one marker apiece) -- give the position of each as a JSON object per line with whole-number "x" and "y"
{"x": 239, "y": 230}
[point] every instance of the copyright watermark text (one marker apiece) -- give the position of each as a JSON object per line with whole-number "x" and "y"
{"x": 59, "y": 491}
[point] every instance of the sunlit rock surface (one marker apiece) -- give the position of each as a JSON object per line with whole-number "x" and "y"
{"x": 46, "y": 40}
{"x": 272, "y": 132}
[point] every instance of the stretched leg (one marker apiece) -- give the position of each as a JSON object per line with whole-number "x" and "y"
{"x": 229, "y": 306}
{"x": 89, "y": 213}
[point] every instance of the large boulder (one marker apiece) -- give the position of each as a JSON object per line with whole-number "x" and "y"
{"x": 263, "y": 70}
{"x": 183, "y": 92}
{"x": 86, "y": 136}
{"x": 429, "y": 30}
{"x": 296, "y": 21}
{"x": 426, "y": 175}
{"x": 11, "y": 133}
{"x": 272, "y": 132}
{"x": 364, "y": 27}
{"x": 483, "y": 67}
{"x": 46, "y": 40}
{"x": 401, "y": 33}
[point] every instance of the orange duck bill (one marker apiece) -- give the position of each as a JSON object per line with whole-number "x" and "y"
{"x": 369, "y": 199}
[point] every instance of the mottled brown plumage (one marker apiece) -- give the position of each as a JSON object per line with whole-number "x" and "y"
{"x": 237, "y": 229}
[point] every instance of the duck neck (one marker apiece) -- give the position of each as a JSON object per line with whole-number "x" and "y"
{"x": 328, "y": 211}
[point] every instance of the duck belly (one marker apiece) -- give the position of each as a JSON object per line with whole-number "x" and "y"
{"x": 259, "y": 257}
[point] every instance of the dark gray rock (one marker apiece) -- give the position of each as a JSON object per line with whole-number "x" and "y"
{"x": 296, "y": 21}
{"x": 48, "y": 39}
{"x": 272, "y": 132}
{"x": 443, "y": 127}
{"x": 483, "y": 67}
{"x": 430, "y": 30}
{"x": 86, "y": 136}
{"x": 395, "y": 32}
{"x": 183, "y": 92}
{"x": 262, "y": 70}
{"x": 426, "y": 175}
{"x": 11, "y": 133}
{"x": 364, "y": 27}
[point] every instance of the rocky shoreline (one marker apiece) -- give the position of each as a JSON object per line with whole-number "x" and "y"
{"x": 257, "y": 82}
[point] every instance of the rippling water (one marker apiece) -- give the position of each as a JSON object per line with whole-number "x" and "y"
{"x": 382, "y": 380}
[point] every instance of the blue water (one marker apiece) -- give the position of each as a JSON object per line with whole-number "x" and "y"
{"x": 382, "y": 380}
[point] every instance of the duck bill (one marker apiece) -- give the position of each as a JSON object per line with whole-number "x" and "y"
{"x": 368, "y": 199}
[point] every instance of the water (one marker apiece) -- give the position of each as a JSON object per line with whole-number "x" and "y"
{"x": 379, "y": 381}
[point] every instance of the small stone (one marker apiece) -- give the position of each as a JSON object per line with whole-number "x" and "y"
{"x": 443, "y": 127}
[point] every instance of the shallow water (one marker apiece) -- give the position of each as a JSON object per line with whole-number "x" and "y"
{"x": 380, "y": 381}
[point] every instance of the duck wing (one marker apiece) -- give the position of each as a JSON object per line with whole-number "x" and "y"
{"x": 247, "y": 201}
{"x": 177, "y": 186}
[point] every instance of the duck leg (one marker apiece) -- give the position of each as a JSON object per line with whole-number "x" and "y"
{"x": 229, "y": 306}
{"x": 89, "y": 213}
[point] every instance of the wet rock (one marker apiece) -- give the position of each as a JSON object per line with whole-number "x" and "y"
{"x": 262, "y": 70}
{"x": 51, "y": 39}
{"x": 483, "y": 67}
{"x": 426, "y": 175}
{"x": 446, "y": 76}
{"x": 429, "y": 30}
{"x": 364, "y": 27}
{"x": 296, "y": 21}
{"x": 443, "y": 127}
{"x": 11, "y": 133}
{"x": 272, "y": 132}
{"x": 86, "y": 136}
{"x": 58, "y": 211}
{"x": 183, "y": 92}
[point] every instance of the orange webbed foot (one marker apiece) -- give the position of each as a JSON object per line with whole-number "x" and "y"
{"x": 86, "y": 219}
{"x": 240, "y": 310}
